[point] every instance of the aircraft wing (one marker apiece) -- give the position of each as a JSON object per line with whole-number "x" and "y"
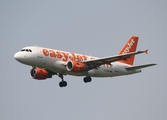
{"x": 107, "y": 60}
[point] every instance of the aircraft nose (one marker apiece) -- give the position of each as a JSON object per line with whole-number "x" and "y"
{"x": 17, "y": 56}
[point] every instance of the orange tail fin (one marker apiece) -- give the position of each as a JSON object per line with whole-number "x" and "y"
{"x": 130, "y": 46}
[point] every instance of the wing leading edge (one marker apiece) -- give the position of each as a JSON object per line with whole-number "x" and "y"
{"x": 107, "y": 60}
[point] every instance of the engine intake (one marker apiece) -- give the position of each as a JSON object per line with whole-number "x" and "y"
{"x": 40, "y": 74}
{"x": 75, "y": 66}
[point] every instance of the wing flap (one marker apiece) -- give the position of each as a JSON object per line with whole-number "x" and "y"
{"x": 140, "y": 66}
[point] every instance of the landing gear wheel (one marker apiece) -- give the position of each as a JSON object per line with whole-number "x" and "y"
{"x": 63, "y": 84}
{"x": 87, "y": 79}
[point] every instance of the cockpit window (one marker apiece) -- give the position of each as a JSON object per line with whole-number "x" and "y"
{"x": 27, "y": 50}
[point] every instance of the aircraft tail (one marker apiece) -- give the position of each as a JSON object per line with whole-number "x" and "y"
{"x": 130, "y": 46}
{"x": 140, "y": 66}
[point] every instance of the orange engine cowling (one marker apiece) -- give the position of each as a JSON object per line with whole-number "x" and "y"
{"x": 75, "y": 66}
{"x": 39, "y": 74}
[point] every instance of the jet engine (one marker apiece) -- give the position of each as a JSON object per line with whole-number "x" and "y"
{"x": 75, "y": 66}
{"x": 40, "y": 74}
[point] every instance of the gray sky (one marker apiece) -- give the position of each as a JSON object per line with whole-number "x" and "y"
{"x": 92, "y": 27}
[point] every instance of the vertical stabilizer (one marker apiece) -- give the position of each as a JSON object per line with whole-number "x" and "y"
{"x": 130, "y": 46}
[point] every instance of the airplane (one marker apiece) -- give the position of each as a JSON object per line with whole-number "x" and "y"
{"x": 47, "y": 62}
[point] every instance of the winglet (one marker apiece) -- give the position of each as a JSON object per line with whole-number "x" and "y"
{"x": 146, "y": 51}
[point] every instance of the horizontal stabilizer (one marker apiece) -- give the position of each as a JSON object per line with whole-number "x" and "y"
{"x": 140, "y": 66}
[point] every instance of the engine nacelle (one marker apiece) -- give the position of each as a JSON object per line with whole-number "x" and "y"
{"x": 40, "y": 74}
{"x": 75, "y": 66}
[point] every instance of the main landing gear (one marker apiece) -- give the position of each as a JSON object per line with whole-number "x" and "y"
{"x": 64, "y": 83}
{"x": 87, "y": 79}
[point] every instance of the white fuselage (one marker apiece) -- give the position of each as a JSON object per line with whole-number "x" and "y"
{"x": 56, "y": 60}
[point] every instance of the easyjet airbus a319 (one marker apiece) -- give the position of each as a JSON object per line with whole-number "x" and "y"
{"x": 47, "y": 62}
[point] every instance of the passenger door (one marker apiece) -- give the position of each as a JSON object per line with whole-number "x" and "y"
{"x": 40, "y": 57}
